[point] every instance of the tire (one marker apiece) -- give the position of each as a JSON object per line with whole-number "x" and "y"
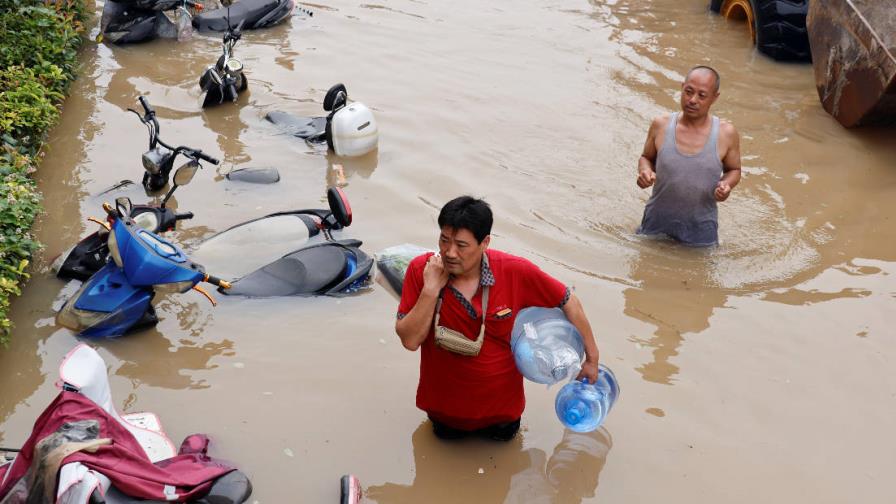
{"x": 778, "y": 27}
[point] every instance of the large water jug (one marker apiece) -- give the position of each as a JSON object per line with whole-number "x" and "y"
{"x": 582, "y": 406}
{"x": 546, "y": 346}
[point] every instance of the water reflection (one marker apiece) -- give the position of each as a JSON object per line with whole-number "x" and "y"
{"x": 341, "y": 169}
{"x": 450, "y": 471}
{"x": 227, "y": 122}
{"x": 676, "y": 294}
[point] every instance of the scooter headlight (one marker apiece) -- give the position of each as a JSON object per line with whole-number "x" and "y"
{"x": 147, "y": 220}
{"x": 174, "y": 287}
{"x": 113, "y": 250}
{"x": 233, "y": 66}
{"x": 79, "y": 320}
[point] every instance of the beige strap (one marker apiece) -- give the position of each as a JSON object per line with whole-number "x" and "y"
{"x": 484, "y": 300}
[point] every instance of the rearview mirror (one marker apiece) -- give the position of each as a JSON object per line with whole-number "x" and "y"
{"x": 124, "y": 206}
{"x": 339, "y": 206}
{"x": 185, "y": 173}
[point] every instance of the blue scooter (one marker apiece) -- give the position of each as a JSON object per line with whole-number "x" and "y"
{"x": 118, "y": 298}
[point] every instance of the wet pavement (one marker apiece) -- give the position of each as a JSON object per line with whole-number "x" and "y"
{"x": 755, "y": 371}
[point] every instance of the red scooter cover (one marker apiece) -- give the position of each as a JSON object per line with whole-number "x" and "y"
{"x": 186, "y": 476}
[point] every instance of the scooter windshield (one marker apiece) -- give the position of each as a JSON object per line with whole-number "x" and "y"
{"x": 246, "y": 247}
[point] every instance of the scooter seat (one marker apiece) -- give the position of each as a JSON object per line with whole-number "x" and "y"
{"x": 247, "y": 11}
{"x": 232, "y": 488}
{"x": 306, "y": 271}
{"x": 302, "y": 127}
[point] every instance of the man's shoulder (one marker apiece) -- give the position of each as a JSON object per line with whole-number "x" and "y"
{"x": 661, "y": 120}
{"x": 727, "y": 129}
{"x": 507, "y": 261}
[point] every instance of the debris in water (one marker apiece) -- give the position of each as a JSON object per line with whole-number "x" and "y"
{"x": 481, "y": 471}
{"x": 288, "y": 453}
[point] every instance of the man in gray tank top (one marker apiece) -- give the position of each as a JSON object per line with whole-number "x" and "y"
{"x": 692, "y": 160}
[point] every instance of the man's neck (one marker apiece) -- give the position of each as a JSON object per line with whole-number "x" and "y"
{"x": 697, "y": 122}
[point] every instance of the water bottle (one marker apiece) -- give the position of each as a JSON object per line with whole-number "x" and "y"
{"x": 547, "y": 348}
{"x": 582, "y": 406}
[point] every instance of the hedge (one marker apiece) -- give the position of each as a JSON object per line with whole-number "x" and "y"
{"x": 39, "y": 43}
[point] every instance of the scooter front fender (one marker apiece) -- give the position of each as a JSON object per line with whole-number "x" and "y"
{"x": 107, "y": 305}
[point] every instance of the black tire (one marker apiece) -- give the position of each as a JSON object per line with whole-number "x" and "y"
{"x": 244, "y": 83}
{"x": 781, "y": 29}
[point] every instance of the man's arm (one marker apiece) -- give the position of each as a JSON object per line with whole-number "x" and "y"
{"x": 730, "y": 163}
{"x": 647, "y": 161}
{"x": 413, "y": 328}
{"x": 576, "y": 315}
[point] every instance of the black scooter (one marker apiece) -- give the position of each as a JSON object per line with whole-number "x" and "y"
{"x": 131, "y": 21}
{"x": 225, "y": 79}
{"x": 252, "y": 14}
{"x": 289, "y": 253}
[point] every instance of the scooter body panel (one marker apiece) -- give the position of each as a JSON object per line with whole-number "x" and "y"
{"x": 149, "y": 259}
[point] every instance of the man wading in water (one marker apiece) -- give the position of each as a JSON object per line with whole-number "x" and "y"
{"x": 458, "y": 308}
{"x": 694, "y": 160}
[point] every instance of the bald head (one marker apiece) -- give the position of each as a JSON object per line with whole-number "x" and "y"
{"x": 706, "y": 71}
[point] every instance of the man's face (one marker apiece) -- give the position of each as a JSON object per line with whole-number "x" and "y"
{"x": 460, "y": 251}
{"x": 698, "y": 93}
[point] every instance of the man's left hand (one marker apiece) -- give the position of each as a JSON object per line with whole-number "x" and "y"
{"x": 723, "y": 190}
{"x": 589, "y": 370}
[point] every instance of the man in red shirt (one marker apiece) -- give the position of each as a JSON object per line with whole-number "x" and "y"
{"x": 481, "y": 394}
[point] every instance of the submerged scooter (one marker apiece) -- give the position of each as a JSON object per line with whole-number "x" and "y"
{"x": 82, "y": 451}
{"x": 224, "y": 80}
{"x": 252, "y": 14}
{"x": 289, "y": 253}
{"x": 349, "y": 129}
{"x": 118, "y": 298}
{"x": 159, "y": 159}
{"x": 132, "y": 21}
{"x": 92, "y": 252}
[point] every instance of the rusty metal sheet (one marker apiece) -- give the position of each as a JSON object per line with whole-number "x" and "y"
{"x": 854, "y": 54}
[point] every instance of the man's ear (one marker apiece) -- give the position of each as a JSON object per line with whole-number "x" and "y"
{"x": 485, "y": 241}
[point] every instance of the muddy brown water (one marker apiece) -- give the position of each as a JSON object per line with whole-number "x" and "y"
{"x": 759, "y": 371}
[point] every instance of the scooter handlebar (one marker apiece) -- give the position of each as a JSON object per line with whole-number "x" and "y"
{"x": 146, "y": 106}
{"x": 183, "y": 216}
{"x": 217, "y": 281}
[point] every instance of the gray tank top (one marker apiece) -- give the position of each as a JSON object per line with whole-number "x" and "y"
{"x": 682, "y": 204}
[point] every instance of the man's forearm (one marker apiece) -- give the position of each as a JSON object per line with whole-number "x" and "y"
{"x": 413, "y": 328}
{"x": 645, "y": 164}
{"x": 576, "y": 315}
{"x": 731, "y": 177}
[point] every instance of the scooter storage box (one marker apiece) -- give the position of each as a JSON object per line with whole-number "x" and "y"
{"x": 354, "y": 131}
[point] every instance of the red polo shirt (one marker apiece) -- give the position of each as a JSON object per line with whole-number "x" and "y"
{"x": 474, "y": 392}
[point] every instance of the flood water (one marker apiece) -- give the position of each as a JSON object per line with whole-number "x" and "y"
{"x": 758, "y": 371}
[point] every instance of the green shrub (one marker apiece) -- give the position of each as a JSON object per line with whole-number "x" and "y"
{"x": 39, "y": 41}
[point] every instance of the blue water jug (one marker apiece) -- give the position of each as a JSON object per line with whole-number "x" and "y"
{"x": 547, "y": 348}
{"x": 581, "y": 406}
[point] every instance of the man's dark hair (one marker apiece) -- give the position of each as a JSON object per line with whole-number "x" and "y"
{"x": 711, "y": 70}
{"x": 467, "y": 212}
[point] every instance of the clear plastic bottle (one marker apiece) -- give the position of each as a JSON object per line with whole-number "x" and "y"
{"x": 581, "y": 406}
{"x": 547, "y": 348}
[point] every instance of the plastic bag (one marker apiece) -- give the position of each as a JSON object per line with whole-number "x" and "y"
{"x": 547, "y": 348}
{"x": 393, "y": 262}
{"x": 184, "y": 25}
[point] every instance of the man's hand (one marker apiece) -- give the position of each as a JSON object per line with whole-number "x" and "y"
{"x": 646, "y": 178}
{"x": 435, "y": 276}
{"x": 723, "y": 190}
{"x": 589, "y": 370}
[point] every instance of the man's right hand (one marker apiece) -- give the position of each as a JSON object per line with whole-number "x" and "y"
{"x": 646, "y": 178}
{"x": 435, "y": 276}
